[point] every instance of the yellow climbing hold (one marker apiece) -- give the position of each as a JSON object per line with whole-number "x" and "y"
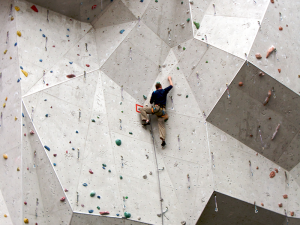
{"x": 6, "y": 99}
{"x": 4, "y": 105}
{"x": 5, "y": 156}
{"x": 26, "y": 220}
{"x": 18, "y": 169}
{"x": 5, "y": 52}
{"x": 5, "y": 215}
{"x": 19, "y": 33}
{"x": 17, "y": 8}
{"x": 25, "y": 73}
{"x": 16, "y": 118}
{"x": 12, "y": 18}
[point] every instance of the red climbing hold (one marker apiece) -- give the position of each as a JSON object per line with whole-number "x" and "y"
{"x": 285, "y": 196}
{"x": 25, "y": 203}
{"x": 34, "y": 8}
{"x": 66, "y": 190}
{"x": 94, "y": 7}
{"x": 104, "y": 213}
{"x": 70, "y": 76}
{"x": 54, "y": 155}
{"x": 87, "y": 65}
{"x": 91, "y": 172}
{"x": 62, "y": 199}
{"x": 31, "y": 132}
{"x": 276, "y": 170}
{"x": 272, "y": 174}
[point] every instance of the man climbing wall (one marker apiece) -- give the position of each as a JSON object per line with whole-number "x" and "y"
{"x": 159, "y": 98}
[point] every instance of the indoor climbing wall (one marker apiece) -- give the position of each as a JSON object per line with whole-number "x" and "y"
{"x": 74, "y": 75}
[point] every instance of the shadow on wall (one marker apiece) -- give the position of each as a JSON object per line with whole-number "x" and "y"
{"x": 233, "y": 211}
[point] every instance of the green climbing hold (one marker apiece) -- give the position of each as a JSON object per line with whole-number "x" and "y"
{"x": 104, "y": 165}
{"x": 181, "y": 3}
{"x": 197, "y": 25}
{"x": 93, "y": 193}
{"x": 93, "y": 120}
{"x": 188, "y": 20}
{"x": 98, "y": 207}
{"x": 109, "y": 171}
{"x": 206, "y": 61}
{"x": 156, "y": 0}
{"x": 126, "y": 197}
{"x": 186, "y": 96}
{"x": 121, "y": 178}
{"x": 130, "y": 132}
{"x": 145, "y": 97}
{"x": 203, "y": 39}
{"x": 98, "y": 117}
{"x": 184, "y": 48}
{"x": 118, "y": 142}
{"x": 127, "y": 215}
{"x": 121, "y": 111}
{"x": 177, "y": 68}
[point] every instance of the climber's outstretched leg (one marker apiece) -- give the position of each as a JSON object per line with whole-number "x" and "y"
{"x": 144, "y": 111}
{"x": 162, "y": 130}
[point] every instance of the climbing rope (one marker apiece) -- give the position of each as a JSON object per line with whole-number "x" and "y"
{"x": 161, "y": 207}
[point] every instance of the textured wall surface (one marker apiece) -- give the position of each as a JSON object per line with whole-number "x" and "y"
{"x": 73, "y": 86}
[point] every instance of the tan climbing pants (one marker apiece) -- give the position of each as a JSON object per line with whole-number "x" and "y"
{"x": 161, "y": 120}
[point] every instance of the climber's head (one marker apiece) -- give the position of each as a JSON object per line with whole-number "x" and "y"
{"x": 158, "y": 86}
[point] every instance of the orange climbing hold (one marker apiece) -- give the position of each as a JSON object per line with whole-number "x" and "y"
{"x": 241, "y": 84}
{"x": 280, "y": 28}
{"x": 280, "y": 205}
{"x": 292, "y": 213}
{"x": 5, "y": 215}
{"x": 258, "y": 56}
{"x": 17, "y": 8}
{"x": 270, "y": 50}
{"x": 276, "y": 170}
{"x": 279, "y": 70}
{"x": 272, "y": 174}
{"x": 285, "y": 196}
{"x": 272, "y": 1}
{"x": 26, "y": 220}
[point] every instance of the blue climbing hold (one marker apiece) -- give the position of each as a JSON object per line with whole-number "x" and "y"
{"x": 21, "y": 67}
{"x": 44, "y": 35}
{"x": 118, "y": 213}
{"x": 41, "y": 60}
{"x": 16, "y": 44}
{"x": 45, "y": 100}
{"x": 46, "y": 115}
{"x": 40, "y": 29}
{"x": 71, "y": 63}
{"x": 23, "y": 114}
{"x": 89, "y": 54}
{"x": 73, "y": 148}
{"x": 103, "y": 167}
{"x": 99, "y": 196}
{"x": 142, "y": 1}
{"x": 76, "y": 131}
{"x": 67, "y": 35}
{"x": 122, "y": 31}
{"x": 68, "y": 29}
{"x": 91, "y": 211}
{"x": 46, "y": 147}
{"x": 19, "y": 80}
{"x": 85, "y": 184}
{"x": 23, "y": 125}
{"x": 51, "y": 71}
{"x": 88, "y": 18}
{"x": 54, "y": 164}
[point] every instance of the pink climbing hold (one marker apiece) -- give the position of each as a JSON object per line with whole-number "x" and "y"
{"x": 94, "y": 7}
{"x": 31, "y": 132}
{"x": 34, "y": 8}
{"x": 63, "y": 199}
{"x": 91, "y": 172}
{"x": 104, "y": 213}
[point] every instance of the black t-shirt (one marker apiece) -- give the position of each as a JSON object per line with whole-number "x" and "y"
{"x": 159, "y": 97}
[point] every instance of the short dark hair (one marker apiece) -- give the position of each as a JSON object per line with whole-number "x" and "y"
{"x": 157, "y": 85}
